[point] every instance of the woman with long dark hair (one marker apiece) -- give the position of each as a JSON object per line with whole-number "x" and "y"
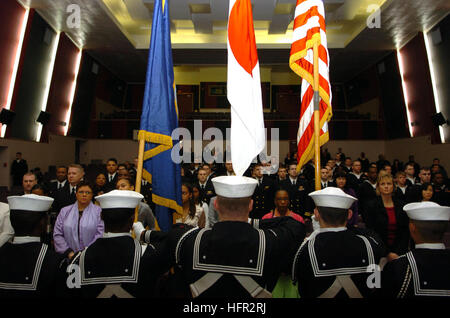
{"x": 192, "y": 214}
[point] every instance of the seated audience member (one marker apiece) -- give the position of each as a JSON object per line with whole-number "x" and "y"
{"x": 39, "y": 189}
{"x": 192, "y": 214}
{"x": 401, "y": 186}
{"x": 441, "y": 189}
{"x": 60, "y": 182}
{"x": 78, "y": 225}
{"x": 28, "y": 268}
{"x": 67, "y": 195}
{"x": 422, "y": 272}
{"x": 385, "y": 217}
{"x": 298, "y": 194}
{"x": 427, "y": 192}
{"x": 281, "y": 175}
{"x": 348, "y": 164}
{"x": 364, "y": 162}
{"x": 387, "y": 168}
{"x": 414, "y": 192}
{"x": 100, "y": 185}
{"x": 116, "y": 265}
{"x": 356, "y": 176}
{"x": 437, "y": 162}
{"x": 342, "y": 255}
{"x": 205, "y": 185}
{"x": 28, "y": 181}
{"x": 6, "y": 230}
{"x": 410, "y": 172}
{"x": 111, "y": 174}
{"x": 282, "y": 207}
{"x": 397, "y": 166}
{"x": 367, "y": 191}
{"x": 324, "y": 179}
{"x": 203, "y": 204}
{"x": 145, "y": 213}
{"x": 341, "y": 183}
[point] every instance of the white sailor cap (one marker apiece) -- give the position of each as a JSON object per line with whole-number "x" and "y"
{"x": 30, "y": 202}
{"x": 427, "y": 211}
{"x": 119, "y": 199}
{"x": 333, "y": 198}
{"x": 234, "y": 186}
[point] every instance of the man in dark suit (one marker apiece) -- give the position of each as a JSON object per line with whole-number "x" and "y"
{"x": 281, "y": 175}
{"x": 298, "y": 193}
{"x": 348, "y": 165}
{"x": 111, "y": 175}
{"x": 28, "y": 181}
{"x": 356, "y": 177}
{"x": 66, "y": 195}
{"x": 410, "y": 172}
{"x": 367, "y": 191}
{"x": 400, "y": 190}
{"x": 18, "y": 168}
{"x": 414, "y": 192}
{"x": 324, "y": 182}
{"x": 309, "y": 171}
{"x": 60, "y": 182}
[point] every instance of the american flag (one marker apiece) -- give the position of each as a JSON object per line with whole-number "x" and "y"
{"x": 309, "y": 28}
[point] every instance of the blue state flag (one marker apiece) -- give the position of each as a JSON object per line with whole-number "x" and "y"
{"x": 159, "y": 118}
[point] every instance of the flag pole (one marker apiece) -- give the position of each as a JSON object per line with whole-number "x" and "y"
{"x": 139, "y": 171}
{"x": 316, "y": 117}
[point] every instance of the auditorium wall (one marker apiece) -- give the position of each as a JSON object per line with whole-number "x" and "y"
{"x": 58, "y": 151}
{"x": 11, "y": 17}
{"x": 439, "y": 39}
{"x": 30, "y": 90}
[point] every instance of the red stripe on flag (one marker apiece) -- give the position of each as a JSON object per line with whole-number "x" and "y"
{"x": 241, "y": 35}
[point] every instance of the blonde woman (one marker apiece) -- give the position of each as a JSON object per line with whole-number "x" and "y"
{"x": 386, "y": 217}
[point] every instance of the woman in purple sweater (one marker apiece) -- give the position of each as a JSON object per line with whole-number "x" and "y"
{"x": 78, "y": 225}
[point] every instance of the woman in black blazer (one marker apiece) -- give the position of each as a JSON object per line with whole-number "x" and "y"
{"x": 386, "y": 217}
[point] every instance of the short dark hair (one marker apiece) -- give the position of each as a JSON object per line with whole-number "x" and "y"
{"x": 340, "y": 174}
{"x": 425, "y": 186}
{"x": 112, "y": 159}
{"x": 84, "y": 183}
{"x": 432, "y": 231}
{"x": 38, "y": 186}
{"x": 233, "y": 204}
{"x": 333, "y": 216}
{"x": 115, "y": 219}
{"x": 25, "y": 222}
{"x": 128, "y": 179}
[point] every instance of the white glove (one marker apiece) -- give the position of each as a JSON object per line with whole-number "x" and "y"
{"x": 138, "y": 228}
